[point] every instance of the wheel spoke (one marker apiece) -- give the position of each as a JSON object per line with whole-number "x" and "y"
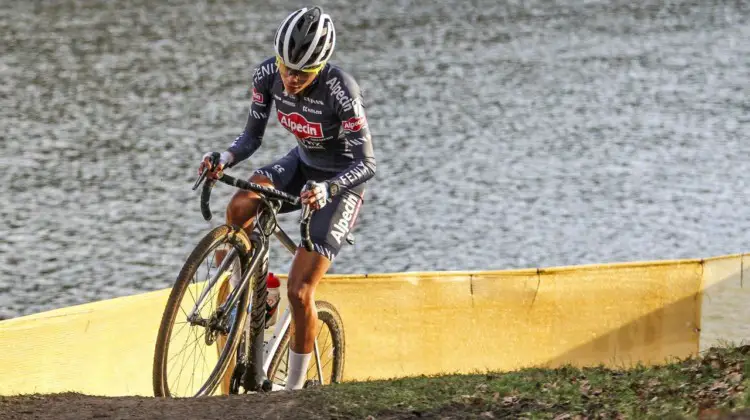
{"x": 179, "y": 374}
{"x": 192, "y": 281}
{"x": 181, "y": 328}
{"x": 206, "y": 281}
{"x": 192, "y": 377}
{"x": 187, "y": 337}
{"x": 327, "y": 336}
{"x": 183, "y": 349}
{"x": 184, "y": 313}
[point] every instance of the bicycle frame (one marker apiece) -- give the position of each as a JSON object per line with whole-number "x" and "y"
{"x": 260, "y": 250}
{"x": 265, "y": 226}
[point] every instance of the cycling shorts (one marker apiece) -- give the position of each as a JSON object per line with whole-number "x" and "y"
{"x": 329, "y": 225}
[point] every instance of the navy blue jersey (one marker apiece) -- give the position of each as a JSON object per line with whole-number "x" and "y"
{"x": 327, "y": 118}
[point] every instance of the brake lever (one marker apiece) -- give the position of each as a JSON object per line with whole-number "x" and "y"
{"x": 306, "y": 212}
{"x": 215, "y": 156}
{"x": 305, "y": 226}
{"x": 200, "y": 179}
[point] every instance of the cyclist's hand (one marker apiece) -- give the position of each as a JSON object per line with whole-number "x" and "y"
{"x": 316, "y": 196}
{"x": 214, "y": 171}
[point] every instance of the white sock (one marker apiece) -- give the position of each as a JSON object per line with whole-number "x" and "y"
{"x": 297, "y": 369}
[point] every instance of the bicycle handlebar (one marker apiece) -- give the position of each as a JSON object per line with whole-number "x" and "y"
{"x": 261, "y": 189}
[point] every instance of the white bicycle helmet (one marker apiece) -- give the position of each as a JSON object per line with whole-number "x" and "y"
{"x": 305, "y": 39}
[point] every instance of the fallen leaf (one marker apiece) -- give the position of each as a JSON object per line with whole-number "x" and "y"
{"x": 735, "y": 378}
{"x": 709, "y": 414}
{"x": 718, "y": 385}
{"x": 585, "y": 387}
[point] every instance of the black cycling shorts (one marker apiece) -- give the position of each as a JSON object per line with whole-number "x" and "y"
{"x": 329, "y": 225}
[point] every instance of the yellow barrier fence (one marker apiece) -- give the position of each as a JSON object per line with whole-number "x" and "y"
{"x": 407, "y": 324}
{"x": 101, "y": 348}
{"x": 725, "y": 309}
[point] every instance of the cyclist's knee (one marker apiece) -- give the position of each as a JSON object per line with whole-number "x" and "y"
{"x": 299, "y": 294}
{"x": 240, "y": 209}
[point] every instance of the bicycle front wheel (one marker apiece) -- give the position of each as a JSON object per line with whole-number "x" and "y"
{"x": 196, "y": 341}
{"x": 330, "y": 341}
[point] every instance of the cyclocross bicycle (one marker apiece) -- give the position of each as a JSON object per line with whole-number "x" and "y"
{"x": 203, "y": 341}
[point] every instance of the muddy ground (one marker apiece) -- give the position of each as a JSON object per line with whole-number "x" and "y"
{"x": 271, "y": 406}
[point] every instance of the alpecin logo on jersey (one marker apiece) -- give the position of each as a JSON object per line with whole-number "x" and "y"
{"x": 257, "y": 96}
{"x": 354, "y": 124}
{"x": 298, "y": 125}
{"x": 338, "y": 92}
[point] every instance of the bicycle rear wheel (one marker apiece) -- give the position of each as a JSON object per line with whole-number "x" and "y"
{"x": 330, "y": 339}
{"x": 207, "y": 335}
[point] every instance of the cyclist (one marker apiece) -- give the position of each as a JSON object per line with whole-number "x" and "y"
{"x": 323, "y": 107}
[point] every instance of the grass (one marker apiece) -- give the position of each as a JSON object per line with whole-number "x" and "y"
{"x": 715, "y": 383}
{"x": 706, "y": 387}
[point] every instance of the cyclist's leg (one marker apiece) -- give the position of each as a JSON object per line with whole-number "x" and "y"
{"x": 328, "y": 229}
{"x": 241, "y": 210}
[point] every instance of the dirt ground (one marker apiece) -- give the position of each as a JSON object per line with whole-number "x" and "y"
{"x": 76, "y": 406}
{"x": 261, "y": 406}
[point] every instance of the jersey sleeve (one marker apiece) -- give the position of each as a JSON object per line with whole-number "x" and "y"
{"x": 252, "y": 136}
{"x": 349, "y": 105}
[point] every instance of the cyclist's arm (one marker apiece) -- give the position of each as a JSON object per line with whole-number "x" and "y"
{"x": 357, "y": 136}
{"x": 252, "y": 136}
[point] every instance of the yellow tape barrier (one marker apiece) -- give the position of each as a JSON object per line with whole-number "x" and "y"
{"x": 421, "y": 323}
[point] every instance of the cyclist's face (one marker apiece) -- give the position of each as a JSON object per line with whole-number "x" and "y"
{"x": 295, "y": 80}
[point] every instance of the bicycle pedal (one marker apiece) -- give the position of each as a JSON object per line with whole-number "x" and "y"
{"x": 236, "y": 380}
{"x": 250, "y": 384}
{"x": 267, "y": 386}
{"x": 310, "y": 383}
